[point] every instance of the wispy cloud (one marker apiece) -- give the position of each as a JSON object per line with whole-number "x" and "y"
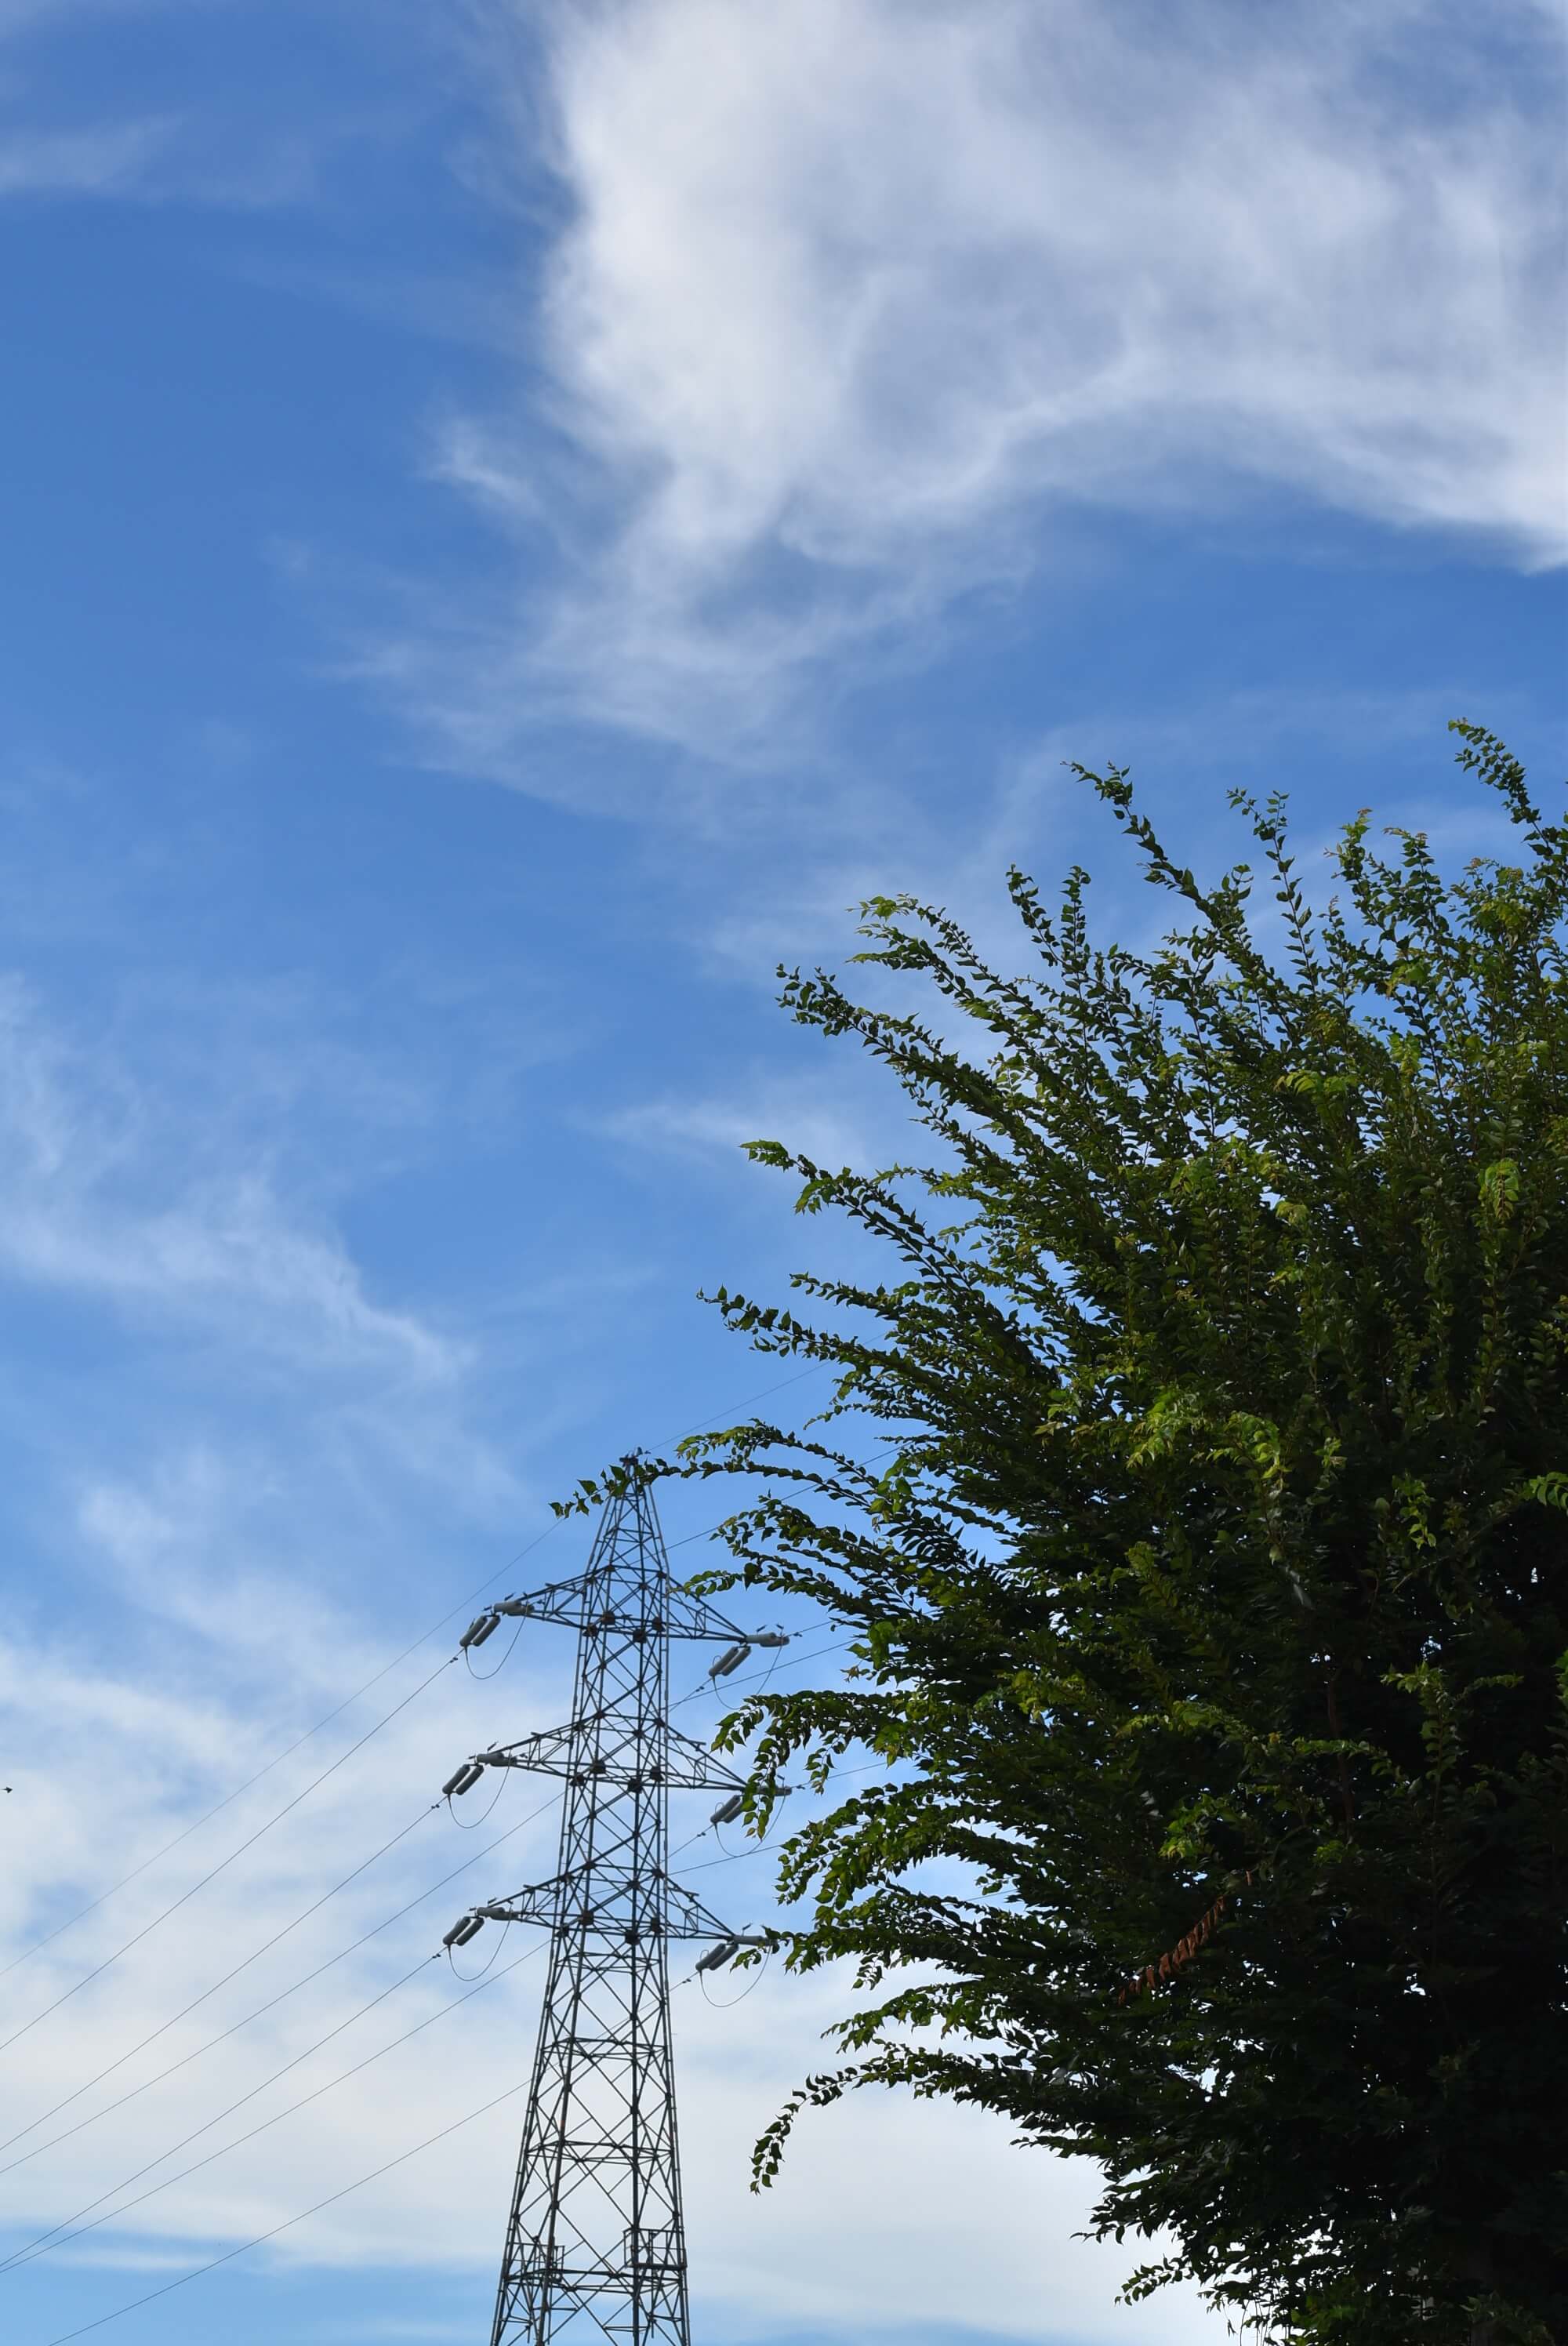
{"x": 109, "y": 159}
{"x": 890, "y": 2222}
{"x": 854, "y": 297}
{"x": 830, "y": 1130}
{"x": 203, "y": 1629}
{"x": 96, "y": 1200}
{"x": 226, "y": 150}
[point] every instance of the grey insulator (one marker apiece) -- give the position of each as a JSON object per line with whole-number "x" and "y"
{"x": 460, "y": 1933}
{"x": 728, "y": 1810}
{"x": 477, "y": 1631}
{"x": 518, "y": 1607}
{"x": 465, "y": 1780}
{"x": 770, "y": 1638}
{"x": 453, "y": 1782}
{"x": 717, "y": 1957}
{"x": 728, "y": 1661}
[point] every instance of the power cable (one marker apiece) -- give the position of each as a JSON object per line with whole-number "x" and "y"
{"x": 212, "y": 1876}
{"x": 480, "y": 1676}
{"x": 342, "y": 1956}
{"x": 229, "y": 1797}
{"x": 862, "y": 1462}
{"x": 187, "y": 2010}
{"x": 268, "y": 1945}
{"x": 47, "y": 2242}
{"x": 815, "y": 1369}
{"x": 730, "y": 1857}
{"x": 502, "y": 1936}
{"x": 224, "y": 1863}
{"x": 277, "y": 1758}
{"x": 749, "y": 1989}
{"x": 473, "y": 1824}
{"x": 60, "y": 2233}
{"x": 839, "y": 1646}
{"x": 261, "y": 2237}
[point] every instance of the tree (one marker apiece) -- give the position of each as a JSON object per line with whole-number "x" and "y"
{"x": 1212, "y": 1601}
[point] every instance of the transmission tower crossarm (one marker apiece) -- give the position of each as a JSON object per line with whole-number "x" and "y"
{"x": 539, "y": 1902}
{"x": 557, "y": 1751}
{"x": 569, "y": 1898}
{"x": 578, "y": 1604}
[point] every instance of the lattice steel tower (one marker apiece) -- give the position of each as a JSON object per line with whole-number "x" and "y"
{"x": 595, "y": 2247}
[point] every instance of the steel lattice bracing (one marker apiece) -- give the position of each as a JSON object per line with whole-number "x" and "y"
{"x": 596, "y": 2246}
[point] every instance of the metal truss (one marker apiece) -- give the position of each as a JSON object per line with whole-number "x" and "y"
{"x": 596, "y": 2244}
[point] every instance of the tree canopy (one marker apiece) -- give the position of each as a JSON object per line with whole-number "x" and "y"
{"x": 1211, "y": 1598}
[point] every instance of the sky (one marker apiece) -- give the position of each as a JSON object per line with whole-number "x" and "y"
{"x": 518, "y": 517}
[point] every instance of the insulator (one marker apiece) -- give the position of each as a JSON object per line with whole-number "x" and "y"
{"x": 482, "y": 1625}
{"x": 458, "y": 1781}
{"x": 730, "y": 1661}
{"x": 717, "y": 1957}
{"x": 769, "y": 1638}
{"x": 460, "y": 1933}
{"x": 728, "y": 1810}
{"x": 518, "y": 1607}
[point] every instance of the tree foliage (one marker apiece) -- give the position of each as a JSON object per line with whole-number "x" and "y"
{"x": 1212, "y": 1601}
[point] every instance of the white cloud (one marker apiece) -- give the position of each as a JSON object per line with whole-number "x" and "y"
{"x": 802, "y": 1114}
{"x": 855, "y": 295}
{"x": 114, "y": 1194}
{"x": 223, "y": 1402}
{"x": 205, "y": 1627}
{"x": 106, "y": 159}
{"x": 101, "y": 158}
{"x": 888, "y": 2218}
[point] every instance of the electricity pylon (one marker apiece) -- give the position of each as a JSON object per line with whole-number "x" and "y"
{"x": 595, "y": 2247}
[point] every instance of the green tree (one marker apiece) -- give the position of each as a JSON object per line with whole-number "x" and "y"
{"x": 1212, "y": 1601}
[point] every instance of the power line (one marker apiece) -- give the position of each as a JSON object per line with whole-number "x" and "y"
{"x": 261, "y": 2237}
{"x": 45, "y": 2243}
{"x": 228, "y": 1799}
{"x": 815, "y": 1369}
{"x": 48, "y": 2242}
{"x": 184, "y": 2061}
{"x": 72, "y": 2227}
{"x": 309, "y": 1977}
{"x": 224, "y": 1863}
{"x": 839, "y": 1646}
{"x": 229, "y": 1859}
{"x": 276, "y": 1762}
{"x": 185, "y": 2010}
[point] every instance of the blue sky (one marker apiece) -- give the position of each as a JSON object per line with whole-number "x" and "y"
{"x": 515, "y": 519}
